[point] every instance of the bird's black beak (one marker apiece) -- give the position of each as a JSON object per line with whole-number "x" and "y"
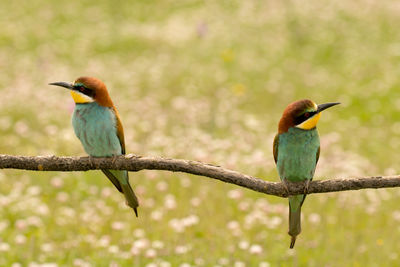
{"x": 63, "y": 84}
{"x": 322, "y": 107}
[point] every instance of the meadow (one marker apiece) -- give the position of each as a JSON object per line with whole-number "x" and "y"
{"x": 207, "y": 81}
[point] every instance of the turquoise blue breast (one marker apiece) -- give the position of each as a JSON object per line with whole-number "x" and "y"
{"x": 297, "y": 154}
{"x": 95, "y": 126}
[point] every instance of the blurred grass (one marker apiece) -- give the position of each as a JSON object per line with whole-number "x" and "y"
{"x": 206, "y": 81}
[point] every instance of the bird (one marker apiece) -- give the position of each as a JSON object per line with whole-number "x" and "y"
{"x": 296, "y": 151}
{"x": 98, "y": 126}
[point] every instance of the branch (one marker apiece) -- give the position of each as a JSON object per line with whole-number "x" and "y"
{"x": 137, "y": 163}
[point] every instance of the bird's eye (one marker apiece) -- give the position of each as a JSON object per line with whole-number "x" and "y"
{"x": 307, "y": 114}
{"x": 81, "y": 88}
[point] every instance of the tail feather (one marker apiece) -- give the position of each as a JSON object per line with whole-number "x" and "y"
{"x": 292, "y": 241}
{"x": 295, "y": 203}
{"x": 121, "y": 181}
{"x": 130, "y": 197}
{"x": 113, "y": 179}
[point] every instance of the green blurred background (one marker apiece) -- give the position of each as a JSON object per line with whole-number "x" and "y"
{"x": 208, "y": 81}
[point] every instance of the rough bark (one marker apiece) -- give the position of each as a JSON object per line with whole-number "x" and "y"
{"x": 137, "y": 163}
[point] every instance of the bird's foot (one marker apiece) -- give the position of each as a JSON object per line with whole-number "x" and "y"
{"x": 285, "y": 185}
{"x": 306, "y": 187}
{"x": 114, "y": 159}
{"x": 91, "y": 161}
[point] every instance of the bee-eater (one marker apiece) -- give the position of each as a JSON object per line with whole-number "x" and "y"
{"x": 296, "y": 151}
{"x": 97, "y": 124}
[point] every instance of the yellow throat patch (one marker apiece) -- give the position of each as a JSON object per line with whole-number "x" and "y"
{"x": 310, "y": 123}
{"x": 81, "y": 98}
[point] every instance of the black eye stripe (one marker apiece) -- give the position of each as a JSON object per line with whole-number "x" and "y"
{"x": 84, "y": 90}
{"x": 303, "y": 117}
